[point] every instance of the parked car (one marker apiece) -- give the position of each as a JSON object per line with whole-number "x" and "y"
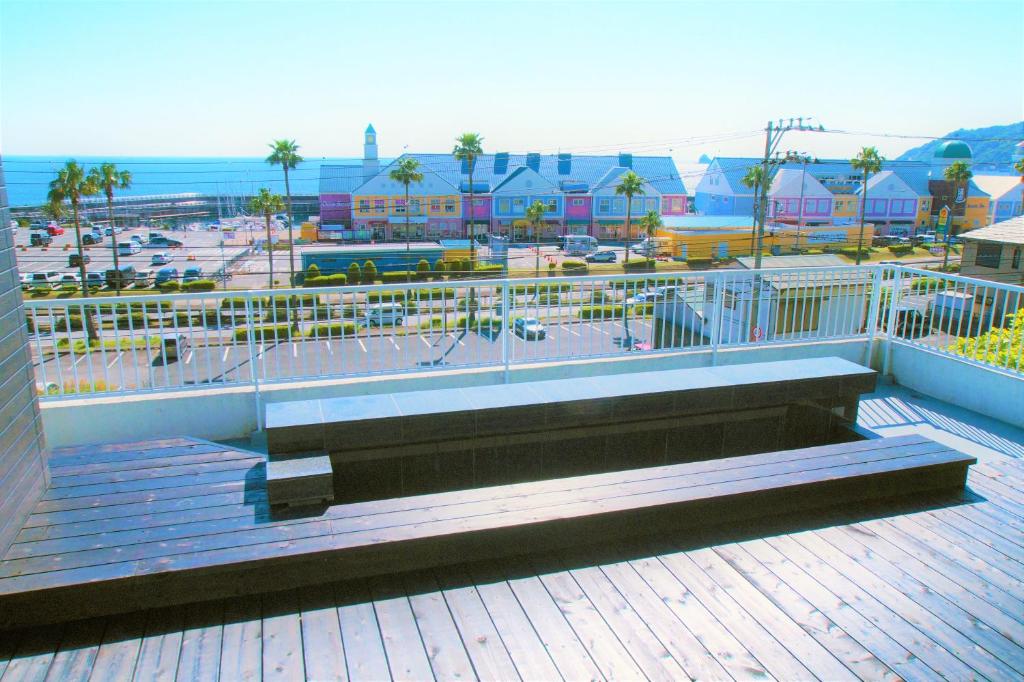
{"x": 90, "y": 238}
{"x": 111, "y": 231}
{"x": 140, "y": 239}
{"x": 121, "y": 278}
{"x": 385, "y": 313}
{"x": 144, "y": 278}
{"x": 910, "y": 323}
{"x": 601, "y": 257}
{"x": 161, "y": 258}
{"x": 74, "y": 260}
{"x": 45, "y": 280}
{"x": 69, "y": 279}
{"x": 173, "y": 346}
{"x": 191, "y": 274}
{"x": 26, "y": 281}
{"x": 40, "y": 239}
{"x": 54, "y": 230}
{"x": 529, "y": 328}
{"x": 94, "y": 279}
{"x": 156, "y": 242}
{"x": 166, "y": 275}
{"x": 128, "y": 248}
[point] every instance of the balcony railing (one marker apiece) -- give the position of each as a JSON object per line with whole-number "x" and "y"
{"x": 145, "y": 343}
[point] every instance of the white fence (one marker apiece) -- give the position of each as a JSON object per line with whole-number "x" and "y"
{"x": 144, "y": 343}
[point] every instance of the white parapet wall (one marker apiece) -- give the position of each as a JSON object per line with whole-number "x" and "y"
{"x": 231, "y": 413}
{"x": 991, "y": 392}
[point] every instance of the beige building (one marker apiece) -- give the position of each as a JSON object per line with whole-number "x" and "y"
{"x": 996, "y": 252}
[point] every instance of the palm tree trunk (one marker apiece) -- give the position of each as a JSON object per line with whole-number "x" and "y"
{"x": 270, "y": 251}
{"x": 291, "y": 237}
{"x": 113, "y": 240}
{"x": 472, "y": 249}
{"x": 629, "y": 209}
{"x": 408, "y": 262}
{"x": 90, "y": 323}
{"x": 863, "y": 207}
{"x": 753, "y": 230}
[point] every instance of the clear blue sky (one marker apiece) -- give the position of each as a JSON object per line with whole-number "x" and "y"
{"x": 223, "y": 78}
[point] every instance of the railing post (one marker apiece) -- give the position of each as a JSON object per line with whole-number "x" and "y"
{"x": 250, "y": 325}
{"x": 890, "y": 318}
{"x": 505, "y": 330}
{"x": 717, "y": 311}
{"x": 871, "y": 326}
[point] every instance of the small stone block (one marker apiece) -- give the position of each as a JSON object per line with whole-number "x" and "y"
{"x": 300, "y": 481}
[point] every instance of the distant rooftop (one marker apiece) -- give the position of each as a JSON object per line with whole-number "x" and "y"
{"x": 1007, "y": 232}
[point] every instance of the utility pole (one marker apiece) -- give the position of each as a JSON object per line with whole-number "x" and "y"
{"x": 773, "y": 136}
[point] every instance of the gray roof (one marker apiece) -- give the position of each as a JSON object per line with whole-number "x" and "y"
{"x": 340, "y": 178}
{"x": 1006, "y": 232}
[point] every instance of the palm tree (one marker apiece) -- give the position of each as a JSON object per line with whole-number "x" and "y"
{"x": 867, "y": 162}
{"x": 754, "y": 179}
{"x": 71, "y": 184}
{"x": 535, "y": 215}
{"x": 1019, "y": 167}
{"x": 107, "y": 178}
{"x": 267, "y": 204}
{"x": 960, "y": 175}
{"x": 630, "y": 185}
{"x": 650, "y": 223}
{"x": 286, "y": 155}
{"x": 406, "y": 171}
{"x": 469, "y": 146}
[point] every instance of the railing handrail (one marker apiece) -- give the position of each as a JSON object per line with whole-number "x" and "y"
{"x": 955, "y": 277}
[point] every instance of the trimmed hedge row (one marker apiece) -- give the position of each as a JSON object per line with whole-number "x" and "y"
{"x": 267, "y": 332}
{"x": 901, "y": 249}
{"x": 642, "y": 265}
{"x": 325, "y": 281}
{"x": 333, "y": 329}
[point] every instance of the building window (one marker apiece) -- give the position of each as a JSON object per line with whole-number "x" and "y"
{"x": 517, "y": 204}
{"x": 503, "y": 206}
{"x": 449, "y": 206}
{"x": 378, "y": 205}
{"x": 604, "y": 205}
{"x": 988, "y": 255}
{"x": 364, "y": 205}
{"x": 677, "y": 204}
{"x": 552, "y": 205}
{"x": 478, "y": 202}
{"x": 414, "y": 206}
{"x": 577, "y": 202}
{"x": 1016, "y": 259}
{"x": 400, "y": 206}
{"x": 435, "y": 205}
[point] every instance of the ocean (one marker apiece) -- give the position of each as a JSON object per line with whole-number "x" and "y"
{"x": 28, "y": 177}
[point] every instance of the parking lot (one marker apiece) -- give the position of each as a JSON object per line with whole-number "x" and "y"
{"x": 199, "y": 249}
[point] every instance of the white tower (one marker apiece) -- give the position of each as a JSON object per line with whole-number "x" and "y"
{"x": 371, "y": 166}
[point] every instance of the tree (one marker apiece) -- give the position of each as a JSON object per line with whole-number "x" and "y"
{"x": 867, "y": 162}
{"x": 286, "y": 155}
{"x": 406, "y": 172}
{"x": 71, "y": 184}
{"x": 535, "y": 215}
{"x": 355, "y": 273}
{"x": 1019, "y": 167}
{"x": 960, "y": 175}
{"x": 754, "y": 179}
{"x": 267, "y": 204}
{"x": 468, "y": 147}
{"x": 630, "y": 185}
{"x": 650, "y": 224}
{"x": 107, "y": 178}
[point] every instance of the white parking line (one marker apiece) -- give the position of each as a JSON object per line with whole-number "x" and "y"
{"x": 259, "y": 350}
{"x": 598, "y": 329}
{"x": 83, "y": 356}
{"x": 330, "y": 350}
{"x": 188, "y": 357}
{"x": 116, "y": 358}
{"x": 425, "y": 342}
{"x": 360, "y": 342}
{"x": 572, "y": 332}
{"x": 393, "y": 343}
{"x": 226, "y": 351}
{"x": 295, "y": 350}
{"x": 455, "y": 338}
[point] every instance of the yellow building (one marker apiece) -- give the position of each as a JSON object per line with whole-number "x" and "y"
{"x": 739, "y": 240}
{"x": 845, "y": 205}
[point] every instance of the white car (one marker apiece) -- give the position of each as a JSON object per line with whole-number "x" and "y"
{"x": 45, "y": 280}
{"x": 162, "y": 258}
{"x": 69, "y": 279}
{"x": 144, "y": 278}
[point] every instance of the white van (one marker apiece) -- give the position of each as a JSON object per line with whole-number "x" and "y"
{"x": 128, "y": 248}
{"x": 46, "y": 280}
{"x": 385, "y": 313}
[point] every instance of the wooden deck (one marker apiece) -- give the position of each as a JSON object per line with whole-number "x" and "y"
{"x": 875, "y": 593}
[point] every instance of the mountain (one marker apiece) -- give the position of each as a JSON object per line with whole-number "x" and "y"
{"x": 992, "y": 145}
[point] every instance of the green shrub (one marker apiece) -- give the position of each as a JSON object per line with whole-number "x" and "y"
{"x": 269, "y": 332}
{"x": 396, "y": 296}
{"x": 295, "y": 300}
{"x": 423, "y": 270}
{"x": 613, "y": 312}
{"x": 574, "y": 267}
{"x": 698, "y": 263}
{"x": 397, "y": 277}
{"x": 235, "y": 303}
{"x": 355, "y": 273}
{"x": 489, "y": 269}
{"x": 549, "y": 299}
{"x": 68, "y": 323}
{"x": 133, "y": 321}
{"x": 929, "y": 284}
{"x": 428, "y": 295}
{"x": 463, "y": 304}
{"x": 600, "y": 298}
{"x": 313, "y": 271}
{"x": 169, "y": 287}
{"x": 639, "y": 265}
{"x": 30, "y": 324}
{"x": 201, "y": 285}
{"x": 901, "y": 249}
{"x": 338, "y": 280}
{"x": 851, "y": 252}
{"x": 278, "y": 314}
{"x": 369, "y": 272}
{"x": 155, "y": 307}
{"x": 333, "y": 329}
{"x": 439, "y": 267}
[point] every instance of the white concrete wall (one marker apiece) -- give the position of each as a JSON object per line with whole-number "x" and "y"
{"x": 221, "y": 414}
{"x": 998, "y": 395}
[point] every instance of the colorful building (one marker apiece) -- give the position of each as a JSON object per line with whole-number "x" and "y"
{"x": 720, "y": 237}
{"x": 360, "y": 202}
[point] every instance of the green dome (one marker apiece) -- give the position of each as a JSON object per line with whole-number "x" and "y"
{"x": 953, "y": 149}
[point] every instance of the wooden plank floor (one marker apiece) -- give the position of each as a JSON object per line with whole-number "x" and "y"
{"x": 877, "y": 592}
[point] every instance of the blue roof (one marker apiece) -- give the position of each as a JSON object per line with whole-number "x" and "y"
{"x": 340, "y": 178}
{"x": 659, "y": 171}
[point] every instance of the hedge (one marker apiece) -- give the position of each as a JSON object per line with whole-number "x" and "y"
{"x": 488, "y": 268}
{"x": 398, "y": 276}
{"x": 445, "y": 294}
{"x": 236, "y": 302}
{"x": 851, "y": 252}
{"x": 929, "y": 284}
{"x": 200, "y": 285}
{"x": 423, "y": 269}
{"x": 147, "y": 307}
{"x": 355, "y": 273}
{"x": 612, "y": 312}
{"x": 168, "y": 287}
{"x": 901, "y": 249}
{"x": 268, "y": 332}
{"x": 549, "y": 299}
{"x": 133, "y": 321}
{"x": 326, "y": 281}
{"x": 294, "y": 300}
{"x": 698, "y": 263}
{"x": 69, "y": 322}
{"x": 396, "y": 296}
{"x": 574, "y": 267}
{"x": 642, "y": 265}
{"x": 369, "y": 272}
{"x": 333, "y": 329}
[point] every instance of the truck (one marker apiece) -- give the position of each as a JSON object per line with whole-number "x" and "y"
{"x": 578, "y": 244}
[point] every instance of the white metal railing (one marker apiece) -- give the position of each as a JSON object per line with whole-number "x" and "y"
{"x": 145, "y": 342}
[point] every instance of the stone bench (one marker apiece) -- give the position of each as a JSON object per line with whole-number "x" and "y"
{"x": 300, "y": 481}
